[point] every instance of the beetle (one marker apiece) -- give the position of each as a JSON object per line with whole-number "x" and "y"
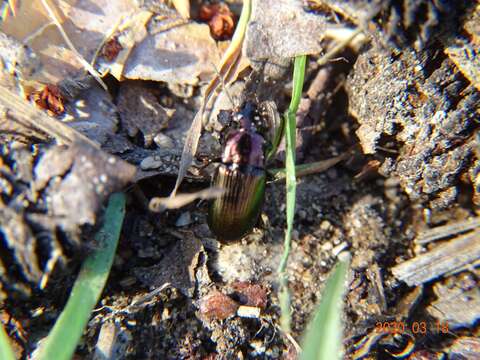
{"x": 242, "y": 175}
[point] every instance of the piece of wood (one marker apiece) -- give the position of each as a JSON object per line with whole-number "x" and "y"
{"x": 445, "y": 258}
{"x": 441, "y": 232}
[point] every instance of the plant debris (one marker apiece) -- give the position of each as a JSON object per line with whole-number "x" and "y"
{"x": 50, "y": 99}
{"x": 217, "y": 306}
{"x": 36, "y": 204}
{"x": 111, "y": 49}
{"x": 219, "y": 18}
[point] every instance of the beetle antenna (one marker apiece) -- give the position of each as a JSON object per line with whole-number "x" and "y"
{"x": 224, "y": 86}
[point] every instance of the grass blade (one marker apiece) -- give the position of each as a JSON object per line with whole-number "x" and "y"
{"x": 324, "y": 336}
{"x": 67, "y": 331}
{"x": 290, "y": 130}
{"x": 6, "y": 351}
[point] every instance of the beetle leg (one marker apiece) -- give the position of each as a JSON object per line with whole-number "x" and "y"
{"x": 276, "y": 127}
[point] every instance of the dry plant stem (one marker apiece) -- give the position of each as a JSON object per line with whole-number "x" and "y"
{"x": 295, "y": 344}
{"x": 180, "y": 200}
{"x": 18, "y": 110}
{"x": 56, "y": 254}
{"x": 228, "y": 65}
{"x": 80, "y": 58}
{"x": 337, "y": 48}
{"x": 311, "y": 168}
{"x": 183, "y": 7}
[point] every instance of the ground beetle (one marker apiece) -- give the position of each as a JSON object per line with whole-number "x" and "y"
{"x": 242, "y": 175}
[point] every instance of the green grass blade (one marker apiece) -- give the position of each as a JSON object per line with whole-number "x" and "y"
{"x": 290, "y": 130}
{"x": 324, "y": 336}
{"x": 6, "y": 351}
{"x": 67, "y": 331}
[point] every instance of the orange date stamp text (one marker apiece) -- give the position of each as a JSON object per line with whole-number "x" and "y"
{"x": 414, "y": 327}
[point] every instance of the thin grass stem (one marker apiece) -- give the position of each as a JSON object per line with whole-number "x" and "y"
{"x": 291, "y": 182}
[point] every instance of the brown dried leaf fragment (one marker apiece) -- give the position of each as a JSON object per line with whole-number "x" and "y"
{"x": 220, "y": 19}
{"x": 111, "y": 49}
{"x": 217, "y": 306}
{"x": 251, "y": 294}
{"x": 51, "y": 99}
{"x": 181, "y": 55}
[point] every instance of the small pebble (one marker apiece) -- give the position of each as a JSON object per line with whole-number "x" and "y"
{"x": 184, "y": 219}
{"x": 302, "y": 214}
{"x": 258, "y": 347}
{"x": 332, "y": 173}
{"x": 327, "y": 246}
{"x": 325, "y": 225}
{"x": 250, "y": 312}
{"x": 339, "y": 248}
{"x": 151, "y": 162}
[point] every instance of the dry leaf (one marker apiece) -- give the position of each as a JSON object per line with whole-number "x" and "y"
{"x": 181, "y": 55}
{"x": 50, "y": 99}
{"x": 183, "y": 7}
{"x": 219, "y": 18}
{"x": 86, "y": 24}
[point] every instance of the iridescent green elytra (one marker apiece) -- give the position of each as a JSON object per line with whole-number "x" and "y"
{"x": 233, "y": 215}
